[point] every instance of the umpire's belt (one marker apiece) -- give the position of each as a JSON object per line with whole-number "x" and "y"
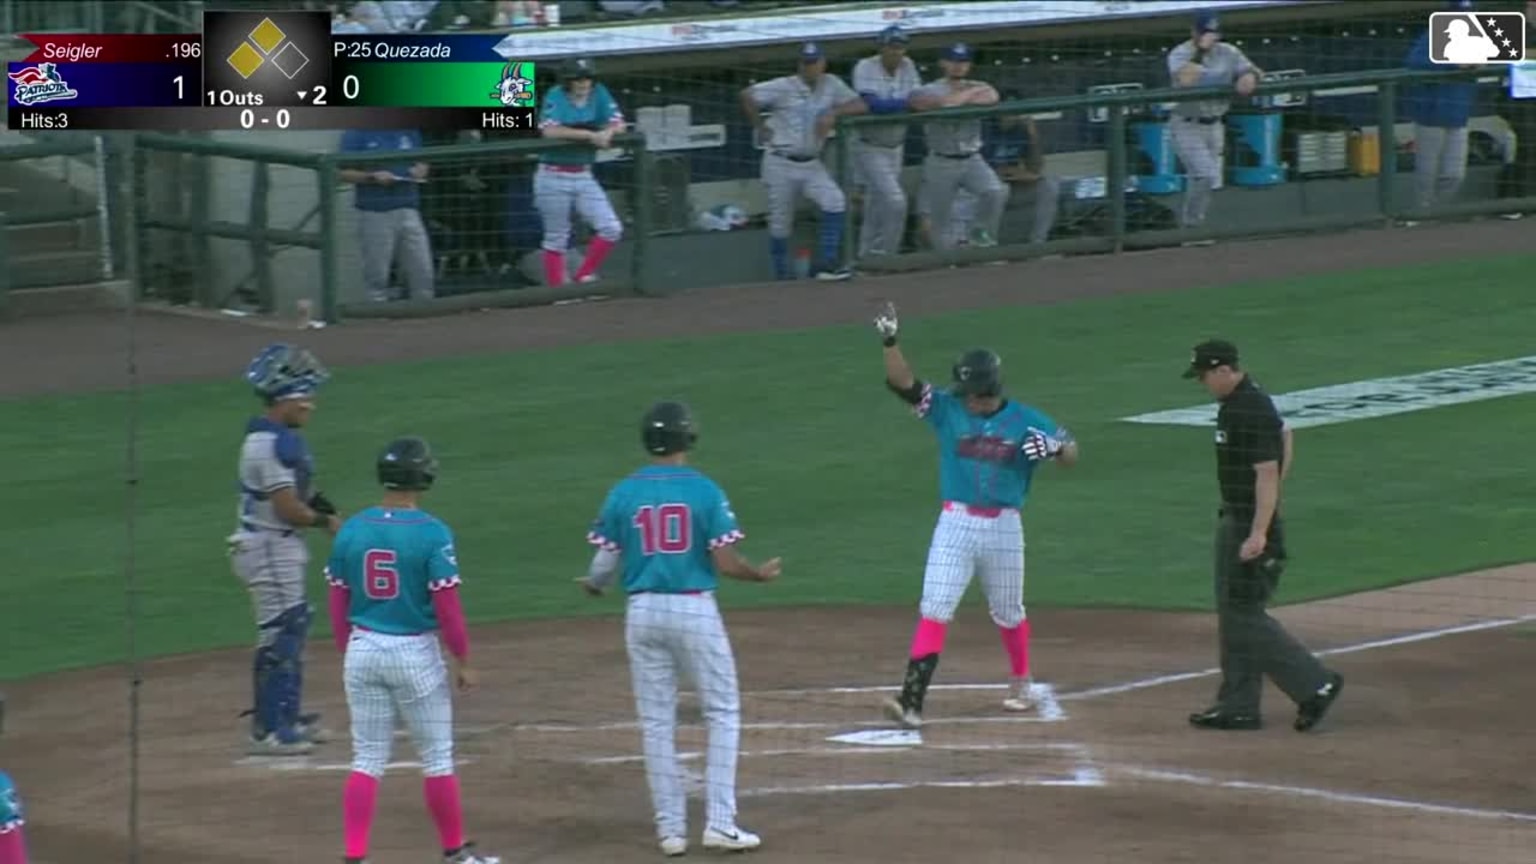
{"x": 973, "y": 510}
{"x": 791, "y": 158}
{"x": 956, "y": 155}
{"x": 1203, "y": 121}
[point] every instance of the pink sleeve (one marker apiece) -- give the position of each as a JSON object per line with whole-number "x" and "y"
{"x": 450, "y": 617}
{"x": 13, "y": 847}
{"x": 341, "y": 628}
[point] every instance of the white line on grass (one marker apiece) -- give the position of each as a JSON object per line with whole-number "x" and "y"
{"x": 1075, "y": 749}
{"x": 1326, "y": 795}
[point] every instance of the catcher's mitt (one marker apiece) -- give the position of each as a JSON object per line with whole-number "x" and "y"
{"x": 321, "y": 504}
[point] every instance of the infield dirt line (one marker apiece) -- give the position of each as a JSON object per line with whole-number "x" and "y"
{"x": 1076, "y": 750}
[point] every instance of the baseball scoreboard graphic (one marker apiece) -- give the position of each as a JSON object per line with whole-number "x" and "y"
{"x": 271, "y": 71}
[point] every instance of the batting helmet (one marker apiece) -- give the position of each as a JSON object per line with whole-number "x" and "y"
{"x": 283, "y": 371}
{"x": 577, "y": 67}
{"x": 407, "y": 465}
{"x": 668, "y": 428}
{"x": 979, "y": 372}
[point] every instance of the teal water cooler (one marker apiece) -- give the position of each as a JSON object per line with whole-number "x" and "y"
{"x": 1154, "y": 167}
{"x": 1253, "y": 149}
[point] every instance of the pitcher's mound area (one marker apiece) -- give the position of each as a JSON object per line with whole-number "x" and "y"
{"x": 1425, "y": 758}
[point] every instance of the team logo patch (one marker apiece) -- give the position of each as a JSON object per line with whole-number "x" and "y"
{"x": 41, "y": 83}
{"x": 515, "y": 89}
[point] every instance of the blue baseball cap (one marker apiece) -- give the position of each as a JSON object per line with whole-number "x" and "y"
{"x": 1207, "y": 22}
{"x": 893, "y": 35}
{"x": 958, "y": 52}
{"x": 1459, "y": 5}
{"x": 810, "y": 52}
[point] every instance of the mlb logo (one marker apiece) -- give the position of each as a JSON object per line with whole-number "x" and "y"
{"x": 1476, "y": 38}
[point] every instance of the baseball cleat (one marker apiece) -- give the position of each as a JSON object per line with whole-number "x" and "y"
{"x": 732, "y": 839}
{"x": 908, "y": 717}
{"x": 1020, "y": 697}
{"x": 310, "y": 730}
{"x": 1220, "y": 718}
{"x": 468, "y": 855}
{"x": 271, "y": 745}
{"x": 1312, "y": 711}
{"x": 834, "y": 274}
{"x": 673, "y": 847}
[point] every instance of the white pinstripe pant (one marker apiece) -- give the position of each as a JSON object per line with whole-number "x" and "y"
{"x": 384, "y": 674}
{"x": 967, "y": 546}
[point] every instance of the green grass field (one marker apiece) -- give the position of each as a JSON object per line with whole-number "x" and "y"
{"x": 822, "y": 464}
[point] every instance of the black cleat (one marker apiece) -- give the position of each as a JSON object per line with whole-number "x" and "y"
{"x": 1312, "y": 711}
{"x": 1220, "y": 718}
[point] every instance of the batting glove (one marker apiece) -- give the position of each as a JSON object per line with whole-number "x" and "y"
{"x": 887, "y": 325}
{"x": 1039, "y": 446}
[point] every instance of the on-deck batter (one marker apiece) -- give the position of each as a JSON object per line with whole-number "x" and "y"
{"x": 989, "y": 448}
{"x": 671, "y": 530}
{"x": 580, "y": 110}
{"x": 394, "y": 580}
{"x": 267, "y": 550}
{"x": 884, "y": 81}
{"x": 802, "y": 108}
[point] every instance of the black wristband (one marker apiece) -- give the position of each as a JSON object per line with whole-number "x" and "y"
{"x": 889, "y": 342}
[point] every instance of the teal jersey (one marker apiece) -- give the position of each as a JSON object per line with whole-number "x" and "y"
{"x": 597, "y": 113}
{"x": 980, "y": 458}
{"x": 11, "y": 814}
{"x": 665, "y": 520}
{"x": 391, "y": 561}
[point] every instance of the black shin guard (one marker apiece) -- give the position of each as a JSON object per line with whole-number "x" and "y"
{"x": 915, "y": 686}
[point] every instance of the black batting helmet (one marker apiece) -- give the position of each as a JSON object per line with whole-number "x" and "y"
{"x": 979, "y": 372}
{"x": 667, "y": 428}
{"x": 407, "y": 465}
{"x": 577, "y": 67}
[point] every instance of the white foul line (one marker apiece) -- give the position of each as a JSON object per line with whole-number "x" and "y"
{"x": 1075, "y": 749}
{"x": 1327, "y": 795}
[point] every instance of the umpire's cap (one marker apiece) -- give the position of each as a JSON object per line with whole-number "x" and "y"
{"x": 978, "y": 372}
{"x": 1209, "y": 355}
{"x": 577, "y": 68}
{"x": 668, "y": 428}
{"x": 407, "y": 465}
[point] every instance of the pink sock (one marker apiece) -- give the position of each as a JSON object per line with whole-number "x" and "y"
{"x": 1016, "y": 643}
{"x": 442, "y": 794}
{"x": 357, "y": 805}
{"x": 554, "y": 268}
{"x": 929, "y": 638}
{"x": 597, "y": 250}
{"x": 13, "y": 847}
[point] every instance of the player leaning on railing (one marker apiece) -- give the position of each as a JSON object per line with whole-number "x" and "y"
{"x": 579, "y": 110}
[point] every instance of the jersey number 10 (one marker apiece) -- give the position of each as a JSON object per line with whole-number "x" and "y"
{"x": 667, "y": 529}
{"x": 381, "y": 579}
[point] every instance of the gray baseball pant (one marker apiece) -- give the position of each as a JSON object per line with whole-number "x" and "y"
{"x": 786, "y": 180}
{"x": 944, "y": 177}
{"x": 1198, "y": 146}
{"x": 1439, "y": 163}
{"x": 395, "y": 235}
{"x": 885, "y": 202}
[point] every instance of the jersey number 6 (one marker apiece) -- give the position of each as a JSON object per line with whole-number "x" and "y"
{"x": 667, "y": 529}
{"x": 381, "y": 581}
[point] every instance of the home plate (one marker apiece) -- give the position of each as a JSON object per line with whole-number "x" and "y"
{"x": 880, "y": 738}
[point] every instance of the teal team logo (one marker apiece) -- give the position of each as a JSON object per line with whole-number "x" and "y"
{"x": 41, "y": 83}
{"x": 516, "y": 87}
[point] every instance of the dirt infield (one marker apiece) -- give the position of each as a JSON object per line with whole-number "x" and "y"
{"x": 1424, "y": 760}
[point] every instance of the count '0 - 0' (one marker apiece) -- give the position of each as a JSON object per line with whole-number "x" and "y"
{"x": 279, "y": 119}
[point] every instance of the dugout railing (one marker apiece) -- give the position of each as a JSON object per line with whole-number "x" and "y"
{"x": 1390, "y": 204}
{"x": 256, "y": 229}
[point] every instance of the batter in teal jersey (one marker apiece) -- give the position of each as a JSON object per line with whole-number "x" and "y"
{"x": 394, "y": 579}
{"x": 13, "y": 846}
{"x": 667, "y": 531}
{"x": 989, "y": 449}
{"x": 582, "y": 111}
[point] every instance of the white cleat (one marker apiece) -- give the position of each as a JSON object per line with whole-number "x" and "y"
{"x": 271, "y": 746}
{"x": 907, "y": 717}
{"x": 468, "y": 855}
{"x": 1021, "y": 696}
{"x": 733, "y": 839}
{"x": 673, "y": 847}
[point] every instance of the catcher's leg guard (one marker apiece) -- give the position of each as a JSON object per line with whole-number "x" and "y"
{"x": 263, "y": 712}
{"x": 278, "y": 692}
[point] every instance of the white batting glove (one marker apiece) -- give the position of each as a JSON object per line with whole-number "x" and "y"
{"x": 887, "y": 325}
{"x": 1039, "y": 446}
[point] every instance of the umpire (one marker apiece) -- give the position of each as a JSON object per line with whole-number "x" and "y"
{"x": 1253, "y": 455}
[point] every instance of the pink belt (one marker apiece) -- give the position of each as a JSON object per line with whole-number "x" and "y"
{"x": 980, "y": 512}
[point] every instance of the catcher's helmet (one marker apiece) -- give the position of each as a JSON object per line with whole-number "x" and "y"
{"x": 407, "y": 465}
{"x": 668, "y": 428}
{"x": 979, "y": 372}
{"x": 283, "y": 371}
{"x": 577, "y": 67}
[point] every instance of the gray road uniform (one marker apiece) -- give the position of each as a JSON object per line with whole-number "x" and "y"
{"x": 792, "y": 163}
{"x": 1197, "y": 128}
{"x": 955, "y": 162}
{"x": 879, "y": 153}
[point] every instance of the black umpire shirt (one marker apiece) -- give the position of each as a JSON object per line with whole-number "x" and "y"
{"x": 1248, "y": 432}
